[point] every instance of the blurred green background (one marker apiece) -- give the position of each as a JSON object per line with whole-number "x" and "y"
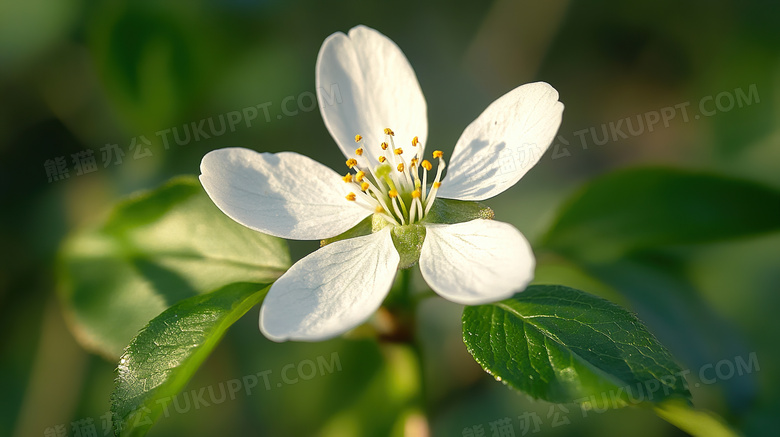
{"x": 79, "y": 76}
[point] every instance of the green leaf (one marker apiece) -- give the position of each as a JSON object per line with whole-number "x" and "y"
{"x": 162, "y": 358}
{"x": 563, "y": 345}
{"x": 653, "y": 207}
{"x": 154, "y": 250}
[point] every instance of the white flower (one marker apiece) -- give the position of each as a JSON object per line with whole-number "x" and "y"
{"x": 288, "y": 195}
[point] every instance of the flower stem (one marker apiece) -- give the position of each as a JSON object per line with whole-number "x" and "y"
{"x": 404, "y": 351}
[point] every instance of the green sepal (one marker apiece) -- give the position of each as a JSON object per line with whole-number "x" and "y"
{"x": 365, "y": 227}
{"x": 408, "y": 241}
{"x": 449, "y": 211}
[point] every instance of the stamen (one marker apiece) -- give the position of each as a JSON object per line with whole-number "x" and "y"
{"x": 382, "y": 201}
{"x": 426, "y": 165}
{"x": 436, "y": 185}
{"x": 387, "y": 193}
{"x": 371, "y": 205}
{"x": 416, "y": 205}
{"x": 398, "y": 211}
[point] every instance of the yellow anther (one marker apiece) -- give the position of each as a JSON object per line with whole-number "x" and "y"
{"x": 416, "y": 194}
{"x": 359, "y": 151}
{"x": 438, "y": 154}
{"x": 364, "y": 186}
{"x": 379, "y": 209}
{"x": 401, "y": 167}
{"x": 426, "y": 165}
{"x": 358, "y": 138}
{"x": 347, "y": 178}
{"x": 382, "y": 159}
{"x": 360, "y": 175}
{"x": 351, "y": 162}
{"x": 351, "y": 197}
{"x": 389, "y": 131}
{"x": 436, "y": 184}
{"x": 384, "y": 146}
{"x": 398, "y": 151}
{"x": 415, "y": 141}
{"x": 413, "y": 162}
{"x": 392, "y": 193}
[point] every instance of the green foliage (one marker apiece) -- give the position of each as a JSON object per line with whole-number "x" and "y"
{"x": 646, "y": 208}
{"x": 620, "y": 229}
{"x": 154, "y": 250}
{"x": 152, "y": 60}
{"x": 162, "y": 358}
{"x": 563, "y": 345}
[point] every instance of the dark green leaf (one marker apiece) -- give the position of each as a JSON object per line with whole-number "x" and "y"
{"x": 563, "y": 345}
{"x": 162, "y": 358}
{"x": 652, "y": 207}
{"x": 156, "y": 249}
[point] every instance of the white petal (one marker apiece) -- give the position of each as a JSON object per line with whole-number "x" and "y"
{"x": 285, "y": 194}
{"x": 503, "y": 143}
{"x": 476, "y": 262}
{"x": 364, "y": 85}
{"x": 332, "y": 290}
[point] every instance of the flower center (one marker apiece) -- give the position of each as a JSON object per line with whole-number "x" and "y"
{"x": 388, "y": 185}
